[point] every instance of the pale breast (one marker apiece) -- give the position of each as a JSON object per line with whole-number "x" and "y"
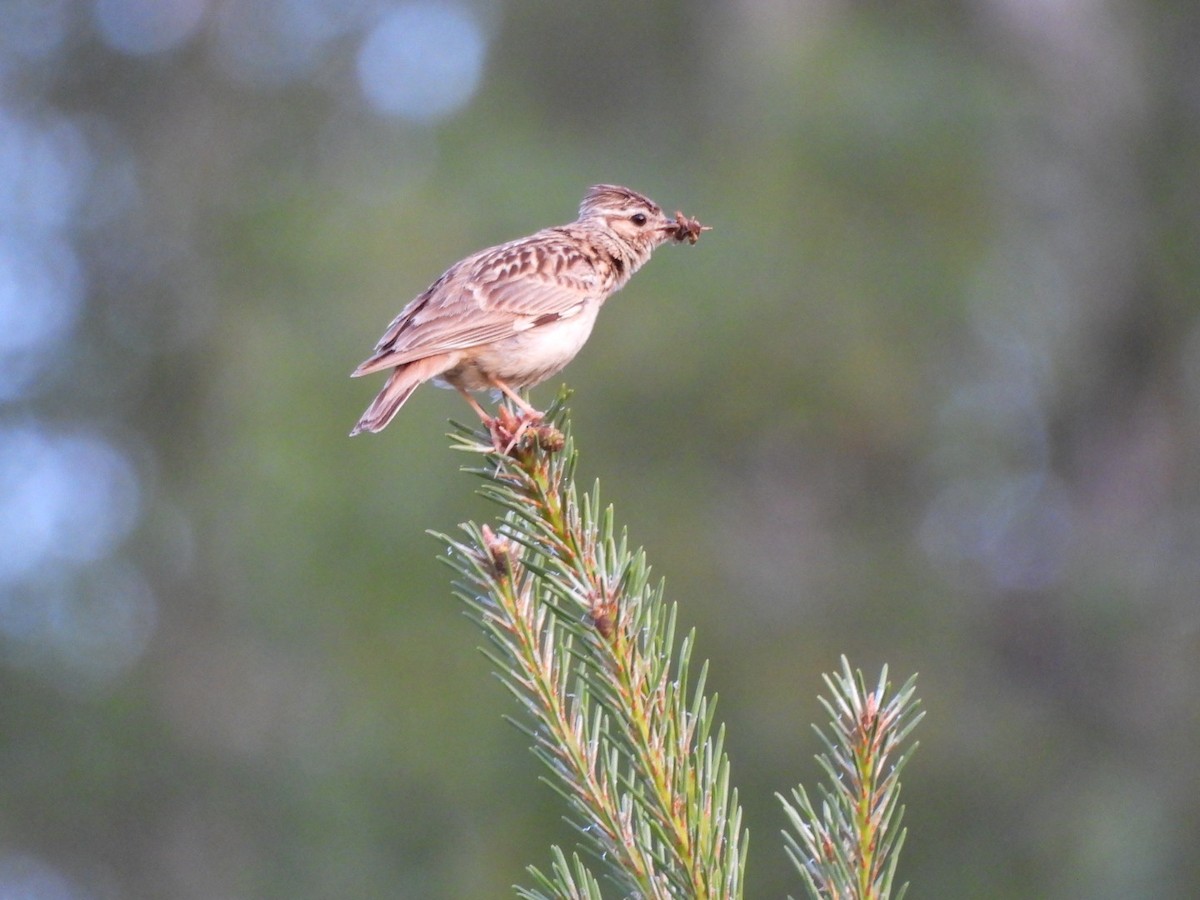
{"x": 528, "y": 357}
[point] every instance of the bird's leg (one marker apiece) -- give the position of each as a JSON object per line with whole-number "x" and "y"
{"x": 530, "y": 413}
{"x": 505, "y": 428}
{"x": 479, "y": 410}
{"x": 514, "y": 427}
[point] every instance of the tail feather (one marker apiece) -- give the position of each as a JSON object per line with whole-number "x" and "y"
{"x": 387, "y": 403}
{"x": 399, "y": 387}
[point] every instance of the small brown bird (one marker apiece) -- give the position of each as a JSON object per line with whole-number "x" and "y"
{"x": 511, "y": 316}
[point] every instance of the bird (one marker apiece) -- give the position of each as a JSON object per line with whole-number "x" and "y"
{"x": 511, "y": 316}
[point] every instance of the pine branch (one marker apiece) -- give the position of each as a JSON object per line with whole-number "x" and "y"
{"x": 588, "y": 647}
{"x": 850, "y": 850}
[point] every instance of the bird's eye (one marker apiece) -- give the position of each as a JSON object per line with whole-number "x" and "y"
{"x": 638, "y": 218}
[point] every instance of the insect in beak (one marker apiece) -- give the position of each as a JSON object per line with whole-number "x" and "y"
{"x": 685, "y": 228}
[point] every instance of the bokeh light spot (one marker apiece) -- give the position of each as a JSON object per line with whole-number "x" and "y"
{"x": 141, "y": 27}
{"x": 24, "y": 877}
{"x": 62, "y": 498}
{"x": 269, "y": 43}
{"x": 40, "y": 292}
{"x": 422, "y": 61}
{"x": 41, "y": 296}
{"x": 80, "y": 627}
{"x": 45, "y": 169}
{"x": 33, "y": 29}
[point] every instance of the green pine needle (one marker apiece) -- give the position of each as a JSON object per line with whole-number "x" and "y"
{"x": 587, "y": 645}
{"x": 849, "y": 849}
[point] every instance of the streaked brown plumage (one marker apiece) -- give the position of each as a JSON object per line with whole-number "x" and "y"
{"x": 512, "y": 316}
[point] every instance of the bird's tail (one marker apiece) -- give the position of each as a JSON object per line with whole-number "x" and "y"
{"x": 399, "y": 387}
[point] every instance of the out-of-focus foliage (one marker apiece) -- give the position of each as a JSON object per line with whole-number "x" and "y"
{"x": 928, "y": 394}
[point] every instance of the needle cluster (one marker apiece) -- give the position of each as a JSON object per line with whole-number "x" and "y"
{"x": 589, "y": 648}
{"x": 612, "y": 705}
{"x": 849, "y": 849}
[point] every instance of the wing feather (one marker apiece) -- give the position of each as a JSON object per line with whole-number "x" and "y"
{"x": 490, "y": 296}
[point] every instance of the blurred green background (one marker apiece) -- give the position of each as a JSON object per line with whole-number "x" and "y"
{"x": 928, "y": 394}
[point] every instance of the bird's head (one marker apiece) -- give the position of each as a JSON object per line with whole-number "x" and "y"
{"x": 635, "y": 219}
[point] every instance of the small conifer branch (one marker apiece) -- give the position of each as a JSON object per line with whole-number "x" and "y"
{"x": 589, "y": 649}
{"x": 849, "y": 851}
{"x": 567, "y": 881}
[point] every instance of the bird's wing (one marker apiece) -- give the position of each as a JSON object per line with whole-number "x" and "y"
{"x": 489, "y": 296}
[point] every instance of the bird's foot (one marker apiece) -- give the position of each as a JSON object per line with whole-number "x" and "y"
{"x": 513, "y": 433}
{"x": 508, "y": 429}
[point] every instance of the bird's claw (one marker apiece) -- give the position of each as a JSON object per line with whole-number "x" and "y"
{"x": 508, "y": 429}
{"x": 515, "y": 434}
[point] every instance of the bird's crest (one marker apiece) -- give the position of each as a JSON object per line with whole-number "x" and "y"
{"x": 612, "y": 198}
